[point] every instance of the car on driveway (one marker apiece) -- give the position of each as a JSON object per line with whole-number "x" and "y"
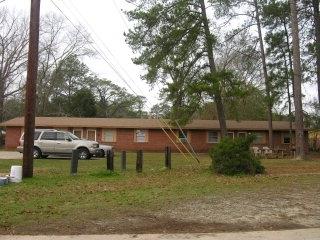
{"x": 60, "y": 143}
{"x": 103, "y": 150}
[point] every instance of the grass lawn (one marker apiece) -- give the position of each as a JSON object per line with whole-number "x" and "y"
{"x": 96, "y": 201}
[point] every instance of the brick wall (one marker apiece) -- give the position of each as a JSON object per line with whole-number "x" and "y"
{"x": 13, "y": 135}
{"x": 157, "y": 139}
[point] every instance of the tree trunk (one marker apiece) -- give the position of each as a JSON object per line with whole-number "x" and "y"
{"x": 316, "y": 16}
{"x": 288, "y": 76}
{"x": 1, "y": 101}
{"x": 217, "y": 92}
{"x": 290, "y": 54}
{"x": 300, "y": 154}
{"x": 265, "y": 75}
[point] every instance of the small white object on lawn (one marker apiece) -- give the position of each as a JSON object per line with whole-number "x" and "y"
{"x": 16, "y": 174}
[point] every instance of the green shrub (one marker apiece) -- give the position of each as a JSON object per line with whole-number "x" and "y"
{"x": 233, "y": 157}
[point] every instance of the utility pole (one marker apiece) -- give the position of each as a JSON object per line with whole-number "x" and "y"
{"x": 30, "y": 99}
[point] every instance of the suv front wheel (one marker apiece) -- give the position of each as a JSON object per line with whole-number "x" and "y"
{"x": 84, "y": 154}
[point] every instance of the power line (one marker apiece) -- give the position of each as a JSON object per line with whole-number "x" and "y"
{"x": 121, "y": 14}
{"x": 105, "y": 58}
{"x": 131, "y": 2}
{"x": 2, "y": 1}
{"x": 101, "y": 41}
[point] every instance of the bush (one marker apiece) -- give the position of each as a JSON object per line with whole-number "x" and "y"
{"x": 233, "y": 157}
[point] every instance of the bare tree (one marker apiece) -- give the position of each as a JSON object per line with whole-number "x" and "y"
{"x": 13, "y": 54}
{"x": 58, "y": 41}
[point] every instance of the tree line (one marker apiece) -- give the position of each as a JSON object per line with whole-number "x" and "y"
{"x": 65, "y": 85}
{"x": 216, "y": 59}
{"x": 219, "y": 53}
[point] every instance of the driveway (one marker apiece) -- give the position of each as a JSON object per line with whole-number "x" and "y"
{"x": 299, "y": 234}
{"x": 10, "y": 155}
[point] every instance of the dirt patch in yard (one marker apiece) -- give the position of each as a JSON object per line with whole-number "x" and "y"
{"x": 266, "y": 209}
{"x": 296, "y": 206}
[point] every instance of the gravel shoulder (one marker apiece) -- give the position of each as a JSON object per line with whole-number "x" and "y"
{"x": 300, "y": 234}
{"x": 10, "y": 155}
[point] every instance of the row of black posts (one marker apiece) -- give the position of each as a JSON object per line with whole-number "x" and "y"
{"x": 110, "y": 160}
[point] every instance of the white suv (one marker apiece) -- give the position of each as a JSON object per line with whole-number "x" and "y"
{"x": 59, "y": 143}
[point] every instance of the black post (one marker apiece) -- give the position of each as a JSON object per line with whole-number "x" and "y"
{"x": 139, "y": 163}
{"x": 123, "y": 161}
{"x": 30, "y": 100}
{"x": 112, "y": 161}
{"x": 168, "y": 157}
{"x": 110, "y": 157}
{"x": 74, "y": 162}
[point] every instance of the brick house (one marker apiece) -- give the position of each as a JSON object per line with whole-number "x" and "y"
{"x": 148, "y": 134}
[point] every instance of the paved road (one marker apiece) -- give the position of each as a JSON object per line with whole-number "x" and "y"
{"x": 10, "y": 155}
{"x": 300, "y": 234}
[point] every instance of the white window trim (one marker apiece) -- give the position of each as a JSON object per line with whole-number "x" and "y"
{"x": 78, "y": 129}
{"x": 232, "y": 134}
{"x": 264, "y": 138}
{"x": 95, "y": 133}
{"x": 114, "y": 134}
{"x": 184, "y": 139}
{"x": 146, "y": 135}
{"x": 245, "y": 133}
{"x": 208, "y": 136}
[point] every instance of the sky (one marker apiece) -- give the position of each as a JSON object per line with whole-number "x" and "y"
{"x": 106, "y": 23}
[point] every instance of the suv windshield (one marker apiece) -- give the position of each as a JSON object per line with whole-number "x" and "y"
{"x": 73, "y": 137}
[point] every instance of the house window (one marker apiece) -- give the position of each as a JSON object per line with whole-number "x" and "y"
{"x": 242, "y": 134}
{"x": 78, "y": 133}
{"x": 183, "y": 136}
{"x": 141, "y": 136}
{"x": 260, "y": 138}
{"x": 213, "y": 137}
{"x": 286, "y": 138}
{"x": 231, "y": 135}
{"x": 92, "y": 135}
{"x": 109, "y": 135}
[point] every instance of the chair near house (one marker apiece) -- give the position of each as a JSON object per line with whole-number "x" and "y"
{"x": 268, "y": 152}
{"x": 256, "y": 151}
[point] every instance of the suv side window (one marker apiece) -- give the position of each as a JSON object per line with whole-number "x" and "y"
{"x": 36, "y": 135}
{"x": 61, "y": 136}
{"x": 49, "y": 136}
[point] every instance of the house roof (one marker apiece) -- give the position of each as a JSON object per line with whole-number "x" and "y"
{"x": 63, "y": 122}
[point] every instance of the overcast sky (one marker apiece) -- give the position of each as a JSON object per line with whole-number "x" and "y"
{"x": 104, "y": 17}
{"x": 106, "y": 23}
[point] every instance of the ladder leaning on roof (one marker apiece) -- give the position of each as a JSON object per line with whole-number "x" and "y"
{"x": 192, "y": 149}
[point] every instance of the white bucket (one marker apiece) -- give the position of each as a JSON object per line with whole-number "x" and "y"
{"x": 16, "y": 174}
